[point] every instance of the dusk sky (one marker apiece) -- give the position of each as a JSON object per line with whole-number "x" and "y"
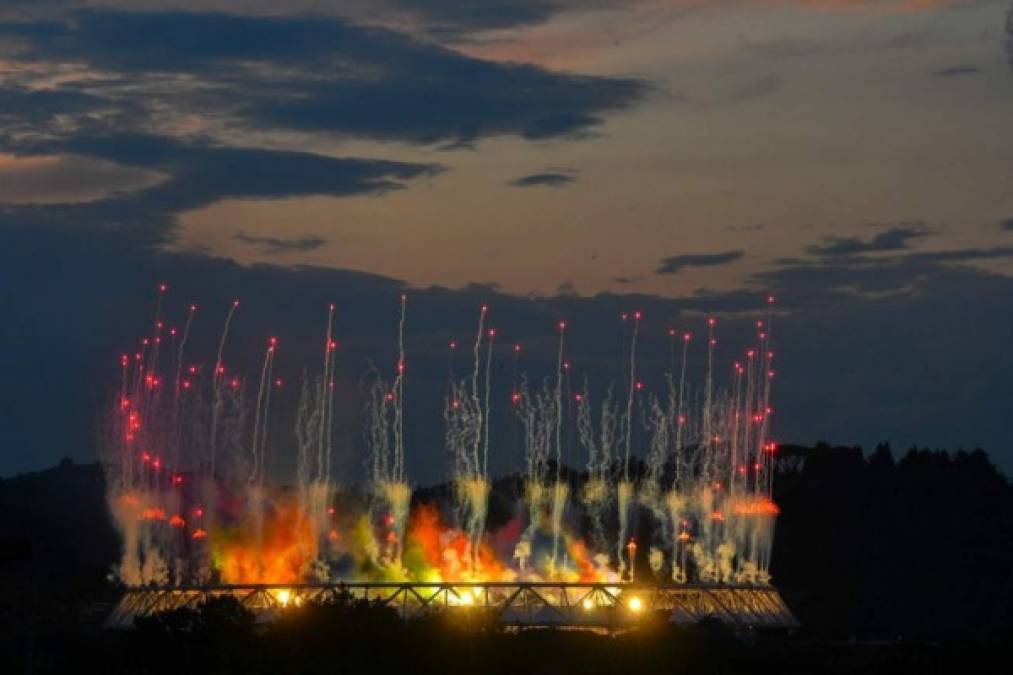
{"x": 552, "y": 158}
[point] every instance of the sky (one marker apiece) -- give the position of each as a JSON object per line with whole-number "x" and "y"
{"x": 551, "y": 158}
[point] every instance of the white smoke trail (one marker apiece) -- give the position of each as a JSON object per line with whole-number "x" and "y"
{"x": 624, "y": 490}
{"x": 217, "y": 393}
{"x": 600, "y": 446}
{"x": 559, "y": 490}
{"x": 537, "y": 414}
{"x": 465, "y": 438}
{"x": 387, "y": 461}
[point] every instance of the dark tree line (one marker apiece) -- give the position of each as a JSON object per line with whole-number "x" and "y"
{"x": 909, "y": 552}
{"x": 877, "y": 548}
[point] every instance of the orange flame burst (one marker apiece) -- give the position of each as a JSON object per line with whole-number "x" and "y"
{"x": 280, "y": 554}
{"x": 760, "y": 506}
{"x": 434, "y": 549}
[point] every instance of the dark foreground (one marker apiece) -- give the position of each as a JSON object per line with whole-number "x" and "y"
{"x": 889, "y": 565}
{"x": 359, "y": 637}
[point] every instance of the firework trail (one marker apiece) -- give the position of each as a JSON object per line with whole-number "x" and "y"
{"x": 537, "y": 414}
{"x": 387, "y": 466}
{"x": 259, "y": 441}
{"x": 600, "y": 447}
{"x": 327, "y": 401}
{"x": 217, "y": 389}
{"x": 560, "y": 489}
{"x": 466, "y": 440}
{"x": 179, "y": 385}
{"x": 624, "y": 490}
{"x": 658, "y": 423}
{"x": 255, "y": 488}
{"x": 708, "y": 457}
{"x": 313, "y": 435}
{"x": 485, "y": 404}
{"x": 399, "y": 398}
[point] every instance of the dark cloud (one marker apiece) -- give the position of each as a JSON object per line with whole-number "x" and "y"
{"x": 318, "y": 74}
{"x": 547, "y": 179}
{"x": 68, "y": 179}
{"x": 742, "y": 92}
{"x": 745, "y": 228}
{"x": 281, "y": 245}
{"x": 199, "y": 174}
{"x": 854, "y": 367}
{"x": 1006, "y": 225}
{"x": 829, "y": 279}
{"x": 956, "y": 71}
{"x": 963, "y": 254}
{"x": 893, "y": 239}
{"x": 454, "y": 15}
{"x": 675, "y": 264}
{"x": 626, "y": 280}
{"x": 566, "y": 288}
{"x": 205, "y": 173}
{"x": 25, "y": 111}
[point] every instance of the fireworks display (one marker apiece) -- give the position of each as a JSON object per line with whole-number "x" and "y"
{"x": 187, "y": 453}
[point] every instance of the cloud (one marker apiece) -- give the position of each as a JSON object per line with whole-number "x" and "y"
{"x": 27, "y": 113}
{"x": 316, "y": 74}
{"x": 675, "y": 264}
{"x": 453, "y": 16}
{"x": 454, "y": 19}
{"x": 566, "y": 288}
{"x": 280, "y": 245}
{"x": 205, "y": 173}
{"x": 835, "y": 278}
{"x": 547, "y": 179}
{"x": 956, "y": 71}
{"x": 963, "y": 255}
{"x": 67, "y": 179}
{"x": 626, "y": 280}
{"x": 893, "y": 239}
{"x": 1006, "y": 225}
{"x": 745, "y": 228}
{"x": 199, "y": 174}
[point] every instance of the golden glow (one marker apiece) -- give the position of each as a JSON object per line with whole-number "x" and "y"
{"x": 466, "y": 598}
{"x": 635, "y": 604}
{"x": 588, "y": 604}
{"x": 283, "y": 597}
{"x": 760, "y": 506}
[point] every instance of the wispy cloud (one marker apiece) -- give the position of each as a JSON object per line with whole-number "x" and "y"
{"x": 677, "y": 263}
{"x": 547, "y": 179}
{"x": 893, "y": 239}
{"x": 281, "y": 245}
{"x": 956, "y": 71}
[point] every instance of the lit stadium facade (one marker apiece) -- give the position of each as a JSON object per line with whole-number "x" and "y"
{"x": 512, "y": 604}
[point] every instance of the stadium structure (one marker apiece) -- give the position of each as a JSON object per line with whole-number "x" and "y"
{"x": 594, "y": 606}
